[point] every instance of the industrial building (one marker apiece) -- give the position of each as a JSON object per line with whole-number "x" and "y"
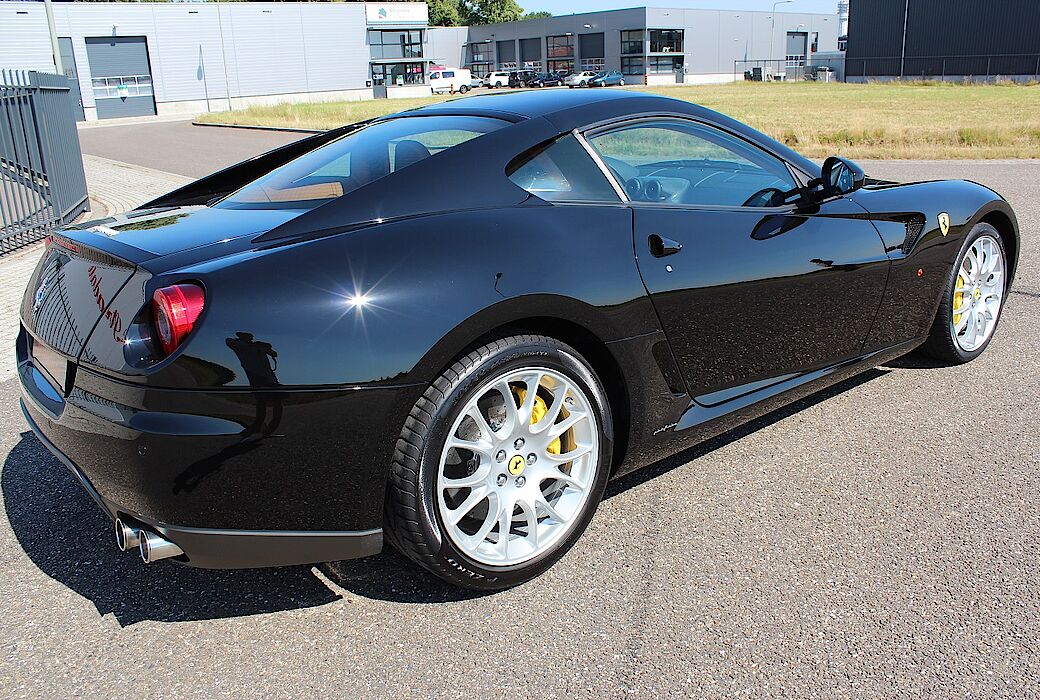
{"x": 656, "y": 46}
{"x": 130, "y": 59}
{"x": 945, "y": 39}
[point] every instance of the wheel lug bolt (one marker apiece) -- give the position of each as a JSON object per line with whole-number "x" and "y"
{"x": 519, "y": 443}
{"x": 532, "y": 458}
{"x": 520, "y": 481}
{"x": 501, "y": 480}
{"x": 569, "y": 400}
{"x": 501, "y": 456}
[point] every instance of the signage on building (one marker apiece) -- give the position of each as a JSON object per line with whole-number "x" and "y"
{"x": 412, "y": 13}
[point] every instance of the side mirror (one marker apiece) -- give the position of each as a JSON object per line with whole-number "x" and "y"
{"x": 840, "y": 177}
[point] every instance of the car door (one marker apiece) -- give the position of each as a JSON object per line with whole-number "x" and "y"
{"x": 747, "y": 293}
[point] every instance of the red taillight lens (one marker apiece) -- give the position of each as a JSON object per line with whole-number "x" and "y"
{"x": 176, "y": 309}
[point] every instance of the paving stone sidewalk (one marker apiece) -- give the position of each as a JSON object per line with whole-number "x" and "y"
{"x": 114, "y": 187}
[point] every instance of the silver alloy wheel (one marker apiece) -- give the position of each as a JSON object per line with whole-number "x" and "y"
{"x": 518, "y": 466}
{"x": 978, "y": 294}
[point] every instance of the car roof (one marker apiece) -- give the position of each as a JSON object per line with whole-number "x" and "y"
{"x": 529, "y": 104}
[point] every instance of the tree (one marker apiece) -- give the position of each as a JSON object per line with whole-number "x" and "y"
{"x": 491, "y": 11}
{"x": 537, "y": 14}
{"x": 445, "y": 13}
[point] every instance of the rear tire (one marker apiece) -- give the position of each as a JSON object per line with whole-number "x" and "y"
{"x": 463, "y": 89}
{"x": 978, "y": 288}
{"x": 621, "y": 82}
{"x": 446, "y": 504}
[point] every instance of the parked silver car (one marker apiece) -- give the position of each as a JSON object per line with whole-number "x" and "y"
{"x": 581, "y": 79}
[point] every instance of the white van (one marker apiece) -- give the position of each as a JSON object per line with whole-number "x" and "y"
{"x": 450, "y": 79}
{"x": 500, "y": 78}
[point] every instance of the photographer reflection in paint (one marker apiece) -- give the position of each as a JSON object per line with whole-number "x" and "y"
{"x": 260, "y": 362}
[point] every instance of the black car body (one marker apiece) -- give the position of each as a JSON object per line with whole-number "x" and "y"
{"x": 546, "y": 80}
{"x": 264, "y": 438}
{"x": 521, "y": 78}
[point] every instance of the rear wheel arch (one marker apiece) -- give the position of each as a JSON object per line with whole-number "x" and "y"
{"x": 587, "y": 343}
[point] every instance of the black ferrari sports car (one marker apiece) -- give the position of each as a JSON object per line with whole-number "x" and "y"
{"x": 448, "y": 328}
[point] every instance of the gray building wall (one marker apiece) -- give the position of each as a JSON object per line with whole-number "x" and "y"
{"x": 444, "y": 45}
{"x": 209, "y": 56}
{"x": 714, "y": 39}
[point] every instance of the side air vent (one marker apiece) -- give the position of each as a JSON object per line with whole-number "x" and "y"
{"x": 914, "y": 228}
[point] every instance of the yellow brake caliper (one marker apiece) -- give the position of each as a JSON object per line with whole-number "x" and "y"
{"x": 958, "y": 298}
{"x": 537, "y": 413}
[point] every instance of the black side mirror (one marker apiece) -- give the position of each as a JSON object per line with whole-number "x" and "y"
{"x": 840, "y": 177}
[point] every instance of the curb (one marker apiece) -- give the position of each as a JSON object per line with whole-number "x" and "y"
{"x": 257, "y": 127}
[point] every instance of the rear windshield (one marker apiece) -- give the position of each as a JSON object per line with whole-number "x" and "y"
{"x": 355, "y": 160}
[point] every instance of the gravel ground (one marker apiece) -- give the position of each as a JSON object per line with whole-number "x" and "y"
{"x": 877, "y": 540}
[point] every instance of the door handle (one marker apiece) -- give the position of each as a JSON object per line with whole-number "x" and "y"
{"x": 661, "y": 246}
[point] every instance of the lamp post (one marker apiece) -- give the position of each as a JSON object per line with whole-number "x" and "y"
{"x": 58, "y": 67}
{"x": 772, "y": 27}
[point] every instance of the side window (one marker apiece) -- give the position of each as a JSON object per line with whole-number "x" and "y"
{"x": 678, "y": 162}
{"x": 449, "y": 74}
{"x": 562, "y": 171}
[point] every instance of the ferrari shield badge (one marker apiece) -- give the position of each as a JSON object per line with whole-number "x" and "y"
{"x": 944, "y": 223}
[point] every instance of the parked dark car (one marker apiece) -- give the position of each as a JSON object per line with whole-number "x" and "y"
{"x": 607, "y": 79}
{"x": 546, "y": 80}
{"x": 315, "y": 351}
{"x": 521, "y": 78}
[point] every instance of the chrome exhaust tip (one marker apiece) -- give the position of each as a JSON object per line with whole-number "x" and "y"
{"x": 154, "y": 547}
{"x": 127, "y": 536}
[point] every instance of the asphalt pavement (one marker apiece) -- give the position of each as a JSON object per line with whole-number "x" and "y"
{"x": 180, "y": 147}
{"x": 877, "y": 540}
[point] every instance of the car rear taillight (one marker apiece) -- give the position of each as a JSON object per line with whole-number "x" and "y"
{"x": 176, "y": 308}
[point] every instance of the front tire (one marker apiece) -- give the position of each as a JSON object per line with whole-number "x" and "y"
{"x": 972, "y": 301}
{"x": 501, "y": 463}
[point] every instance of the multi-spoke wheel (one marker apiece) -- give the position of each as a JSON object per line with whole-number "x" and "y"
{"x": 517, "y": 466}
{"x": 502, "y": 463}
{"x": 974, "y": 298}
{"x": 978, "y": 293}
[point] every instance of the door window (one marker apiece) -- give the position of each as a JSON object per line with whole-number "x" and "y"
{"x": 680, "y": 162}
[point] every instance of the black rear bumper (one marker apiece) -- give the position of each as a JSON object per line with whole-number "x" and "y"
{"x": 233, "y": 549}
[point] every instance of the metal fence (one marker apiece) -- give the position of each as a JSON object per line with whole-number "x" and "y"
{"x": 955, "y": 68}
{"x": 781, "y": 70}
{"x": 41, "y": 168}
{"x": 1018, "y": 67}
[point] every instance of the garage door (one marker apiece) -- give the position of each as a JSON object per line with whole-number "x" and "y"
{"x": 121, "y": 76}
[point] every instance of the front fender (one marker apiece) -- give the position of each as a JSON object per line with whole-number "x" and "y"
{"x": 908, "y": 218}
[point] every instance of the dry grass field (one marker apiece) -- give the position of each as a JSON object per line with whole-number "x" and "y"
{"x": 868, "y": 121}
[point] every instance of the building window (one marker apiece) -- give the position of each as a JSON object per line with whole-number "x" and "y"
{"x": 479, "y": 70}
{"x": 664, "y": 64}
{"x": 796, "y": 43}
{"x": 395, "y": 43}
{"x": 843, "y": 43}
{"x": 633, "y": 66}
{"x": 507, "y": 54}
{"x": 591, "y": 46}
{"x": 531, "y": 51}
{"x": 593, "y": 64}
{"x": 559, "y": 46}
{"x": 562, "y": 66}
{"x": 815, "y": 46}
{"x": 398, "y": 74}
{"x": 632, "y": 41}
{"x": 666, "y": 41}
{"x": 480, "y": 52}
